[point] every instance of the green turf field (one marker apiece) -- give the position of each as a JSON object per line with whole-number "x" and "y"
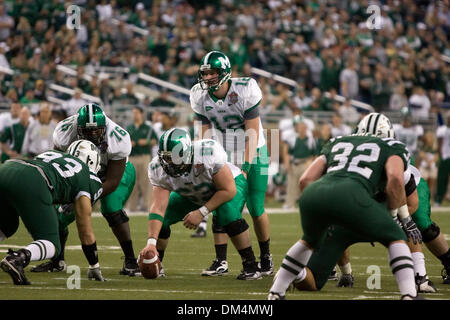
{"x": 186, "y": 257}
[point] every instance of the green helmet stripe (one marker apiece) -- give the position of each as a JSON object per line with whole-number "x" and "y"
{"x": 376, "y": 122}
{"x": 76, "y": 146}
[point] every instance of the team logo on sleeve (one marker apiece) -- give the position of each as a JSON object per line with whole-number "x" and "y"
{"x": 233, "y": 98}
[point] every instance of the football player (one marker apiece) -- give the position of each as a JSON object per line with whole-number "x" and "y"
{"x": 348, "y": 173}
{"x": 190, "y": 180}
{"x": 229, "y": 106}
{"x": 116, "y": 172}
{"x": 29, "y": 188}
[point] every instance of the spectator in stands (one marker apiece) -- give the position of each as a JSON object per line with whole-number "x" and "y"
{"x": 324, "y": 136}
{"x": 7, "y": 119}
{"x": 419, "y": 103}
{"x": 380, "y": 93}
{"x": 6, "y": 23}
{"x": 349, "y": 112}
{"x": 338, "y": 128}
{"x": 39, "y": 134}
{"x": 3, "y": 60}
{"x": 143, "y": 138}
{"x": 71, "y": 107}
{"x": 163, "y": 100}
{"x": 40, "y": 90}
{"x": 329, "y": 75}
{"x": 29, "y": 97}
{"x": 12, "y": 137}
{"x": 398, "y": 100}
{"x": 297, "y": 156}
{"x": 349, "y": 81}
{"x": 129, "y": 98}
{"x": 301, "y": 100}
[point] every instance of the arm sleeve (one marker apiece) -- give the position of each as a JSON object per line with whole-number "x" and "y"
{"x": 253, "y": 96}
{"x": 252, "y": 113}
{"x": 202, "y": 118}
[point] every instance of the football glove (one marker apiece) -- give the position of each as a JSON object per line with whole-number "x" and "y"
{"x": 95, "y": 274}
{"x": 411, "y": 230}
{"x": 66, "y": 209}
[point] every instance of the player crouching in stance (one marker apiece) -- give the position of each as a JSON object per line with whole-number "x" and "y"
{"x": 348, "y": 173}
{"x": 190, "y": 180}
{"x": 30, "y": 188}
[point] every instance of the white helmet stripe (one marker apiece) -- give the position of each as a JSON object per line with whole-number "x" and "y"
{"x": 91, "y": 113}
{"x": 207, "y": 57}
{"x": 166, "y": 138}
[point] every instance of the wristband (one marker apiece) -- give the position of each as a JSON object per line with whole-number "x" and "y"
{"x": 151, "y": 241}
{"x": 246, "y": 167}
{"x": 394, "y": 212}
{"x": 204, "y": 211}
{"x": 403, "y": 212}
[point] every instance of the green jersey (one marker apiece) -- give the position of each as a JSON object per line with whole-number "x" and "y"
{"x": 67, "y": 176}
{"x": 362, "y": 158}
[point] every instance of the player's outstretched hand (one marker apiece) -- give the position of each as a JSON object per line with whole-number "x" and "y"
{"x": 411, "y": 230}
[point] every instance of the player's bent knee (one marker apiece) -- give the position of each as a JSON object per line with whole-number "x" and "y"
{"x": 236, "y": 227}
{"x": 215, "y": 226}
{"x": 116, "y": 218}
{"x": 431, "y": 233}
{"x": 164, "y": 233}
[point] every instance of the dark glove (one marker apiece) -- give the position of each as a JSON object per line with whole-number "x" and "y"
{"x": 66, "y": 209}
{"x": 411, "y": 230}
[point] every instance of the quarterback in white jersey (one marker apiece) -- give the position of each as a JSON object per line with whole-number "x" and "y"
{"x": 230, "y": 107}
{"x": 117, "y": 174}
{"x": 190, "y": 180}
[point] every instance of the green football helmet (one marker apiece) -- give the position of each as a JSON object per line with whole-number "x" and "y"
{"x": 91, "y": 124}
{"x": 175, "y": 152}
{"x": 214, "y": 60}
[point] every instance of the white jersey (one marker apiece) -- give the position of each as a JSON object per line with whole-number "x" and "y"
{"x": 227, "y": 115}
{"x": 197, "y": 185}
{"x": 118, "y": 139}
{"x": 443, "y": 132}
{"x": 409, "y": 136}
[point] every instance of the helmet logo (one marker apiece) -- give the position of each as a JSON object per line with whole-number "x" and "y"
{"x": 224, "y": 61}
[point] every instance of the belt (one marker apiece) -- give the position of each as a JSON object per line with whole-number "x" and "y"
{"x": 39, "y": 169}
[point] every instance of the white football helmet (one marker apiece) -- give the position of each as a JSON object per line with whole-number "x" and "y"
{"x": 87, "y": 152}
{"x": 376, "y": 124}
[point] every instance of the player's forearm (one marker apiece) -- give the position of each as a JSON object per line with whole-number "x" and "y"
{"x": 83, "y": 219}
{"x": 153, "y": 228}
{"x": 219, "y": 198}
{"x": 109, "y": 186}
{"x": 395, "y": 192}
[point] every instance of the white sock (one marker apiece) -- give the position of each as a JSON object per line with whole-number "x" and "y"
{"x": 41, "y": 250}
{"x": 346, "y": 268}
{"x": 294, "y": 263}
{"x": 2, "y": 236}
{"x": 402, "y": 267}
{"x": 419, "y": 263}
{"x": 205, "y": 219}
{"x": 202, "y": 225}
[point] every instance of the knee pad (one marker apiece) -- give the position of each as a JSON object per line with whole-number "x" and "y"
{"x": 164, "y": 233}
{"x": 215, "y": 226}
{"x": 236, "y": 227}
{"x": 116, "y": 218}
{"x": 430, "y": 233}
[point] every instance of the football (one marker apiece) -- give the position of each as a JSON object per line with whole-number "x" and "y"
{"x": 149, "y": 265}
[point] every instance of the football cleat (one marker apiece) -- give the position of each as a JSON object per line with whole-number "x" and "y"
{"x": 250, "y": 272}
{"x": 199, "y": 233}
{"x": 265, "y": 266}
{"x": 50, "y": 266}
{"x": 161, "y": 274}
{"x": 445, "y": 273}
{"x": 95, "y": 274}
{"x": 424, "y": 285}
{"x": 409, "y": 297}
{"x": 130, "y": 268}
{"x": 333, "y": 275}
{"x": 14, "y": 263}
{"x": 275, "y": 296}
{"x": 218, "y": 268}
{"x": 345, "y": 281}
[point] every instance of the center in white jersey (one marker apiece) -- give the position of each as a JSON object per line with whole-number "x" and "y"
{"x": 227, "y": 114}
{"x": 118, "y": 140}
{"x": 197, "y": 185}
